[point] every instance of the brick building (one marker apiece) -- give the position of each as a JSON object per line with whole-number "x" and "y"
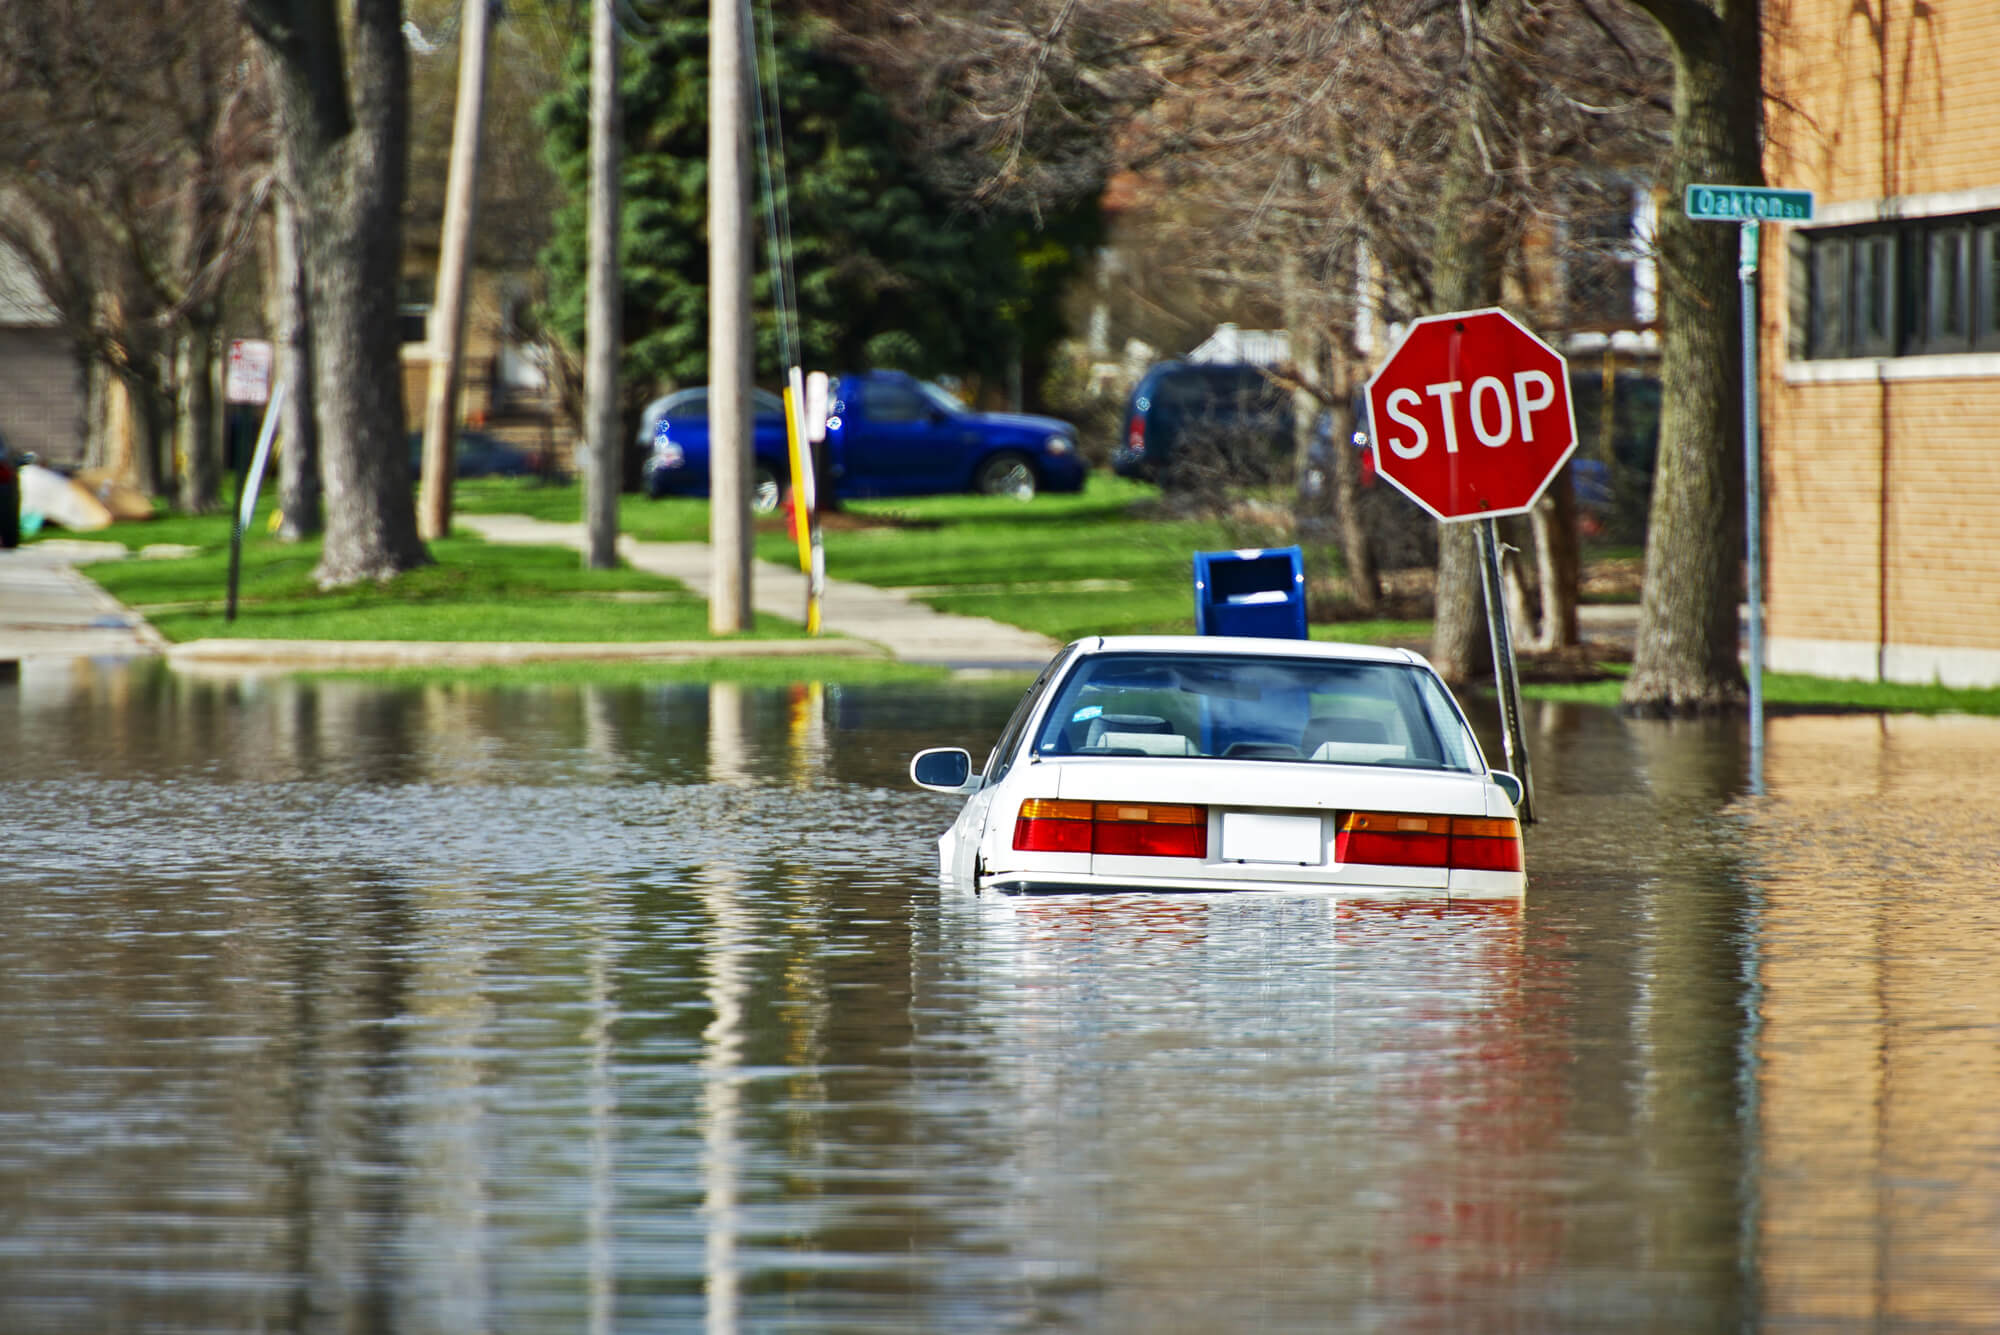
{"x": 1881, "y": 341}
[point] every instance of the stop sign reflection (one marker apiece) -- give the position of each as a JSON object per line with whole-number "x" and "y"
{"x": 1470, "y": 416}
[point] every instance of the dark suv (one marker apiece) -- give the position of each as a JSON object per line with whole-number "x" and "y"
{"x": 1185, "y": 418}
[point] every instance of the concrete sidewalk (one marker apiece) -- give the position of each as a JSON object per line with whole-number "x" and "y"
{"x": 906, "y": 630}
{"x": 48, "y": 610}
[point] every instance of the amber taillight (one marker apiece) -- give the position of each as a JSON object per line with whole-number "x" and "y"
{"x": 1135, "y": 829}
{"x": 1401, "y": 839}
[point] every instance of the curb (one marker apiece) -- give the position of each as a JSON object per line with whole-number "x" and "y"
{"x": 296, "y": 655}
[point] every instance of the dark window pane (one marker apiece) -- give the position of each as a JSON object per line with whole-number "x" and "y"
{"x": 1986, "y": 285}
{"x": 892, "y": 403}
{"x": 1948, "y": 289}
{"x": 1874, "y": 332}
{"x": 1830, "y": 259}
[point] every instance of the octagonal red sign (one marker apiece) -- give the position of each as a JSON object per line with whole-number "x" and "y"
{"x": 1470, "y": 415}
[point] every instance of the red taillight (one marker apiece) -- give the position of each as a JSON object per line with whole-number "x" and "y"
{"x": 1133, "y": 829}
{"x": 1482, "y": 844}
{"x": 1048, "y": 826}
{"x": 1135, "y": 435}
{"x": 1399, "y": 839}
{"x": 1393, "y": 839}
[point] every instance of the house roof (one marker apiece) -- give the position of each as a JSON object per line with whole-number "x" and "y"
{"x": 21, "y": 299}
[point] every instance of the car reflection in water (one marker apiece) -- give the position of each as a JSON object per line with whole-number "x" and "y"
{"x": 1131, "y": 1042}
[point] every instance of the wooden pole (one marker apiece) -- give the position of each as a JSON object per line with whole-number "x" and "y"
{"x": 602, "y": 334}
{"x": 447, "y": 329}
{"x": 729, "y": 353}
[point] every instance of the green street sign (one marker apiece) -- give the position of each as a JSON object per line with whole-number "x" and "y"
{"x": 1748, "y": 203}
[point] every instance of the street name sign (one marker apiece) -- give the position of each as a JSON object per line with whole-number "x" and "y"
{"x": 1748, "y": 203}
{"x": 1470, "y": 416}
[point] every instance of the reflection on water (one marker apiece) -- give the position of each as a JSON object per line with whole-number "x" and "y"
{"x": 1878, "y": 1045}
{"x": 327, "y": 1007}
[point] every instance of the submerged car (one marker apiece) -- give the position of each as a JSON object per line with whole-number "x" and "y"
{"x": 1190, "y": 763}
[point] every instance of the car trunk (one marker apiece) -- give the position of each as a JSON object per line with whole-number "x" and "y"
{"x": 1272, "y": 821}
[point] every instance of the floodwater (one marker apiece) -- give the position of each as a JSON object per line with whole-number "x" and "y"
{"x": 326, "y": 1007}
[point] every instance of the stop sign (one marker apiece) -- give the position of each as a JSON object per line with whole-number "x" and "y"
{"x": 1470, "y": 415}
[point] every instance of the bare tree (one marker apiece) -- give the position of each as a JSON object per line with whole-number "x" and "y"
{"x": 137, "y": 152}
{"x": 1441, "y": 143}
{"x": 342, "y": 120}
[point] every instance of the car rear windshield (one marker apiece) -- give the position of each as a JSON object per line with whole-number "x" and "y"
{"x": 1257, "y": 708}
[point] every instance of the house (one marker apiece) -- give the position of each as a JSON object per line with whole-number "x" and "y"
{"x": 1880, "y": 342}
{"x": 41, "y": 388}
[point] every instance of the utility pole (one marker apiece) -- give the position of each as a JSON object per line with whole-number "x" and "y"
{"x": 601, "y": 473}
{"x": 729, "y": 355}
{"x": 447, "y": 329}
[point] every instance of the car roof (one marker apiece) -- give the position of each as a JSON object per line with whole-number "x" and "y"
{"x": 1245, "y": 645}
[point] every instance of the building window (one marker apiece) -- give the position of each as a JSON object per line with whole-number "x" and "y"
{"x": 1986, "y": 286}
{"x": 1920, "y": 286}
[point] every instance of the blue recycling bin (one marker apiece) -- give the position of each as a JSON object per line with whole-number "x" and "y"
{"x": 1251, "y": 592}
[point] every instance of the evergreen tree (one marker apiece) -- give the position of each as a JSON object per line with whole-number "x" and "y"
{"x": 889, "y": 272}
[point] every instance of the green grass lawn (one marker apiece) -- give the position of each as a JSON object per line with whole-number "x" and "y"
{"x": 475, "y": 591}
{"x": 1791, "y": 691}
{"x": 1103, "y": 561}
{"x": 1107, "y": 560}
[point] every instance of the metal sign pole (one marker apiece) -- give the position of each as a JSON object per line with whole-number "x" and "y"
{"x": 246, "y": 493}
{"x": 1746, "y": 206}
{"x": 1752, "y": 500}
{"x": 1507, "y": 683}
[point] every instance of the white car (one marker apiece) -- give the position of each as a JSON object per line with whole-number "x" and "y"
{"x": 1179, "y": 763}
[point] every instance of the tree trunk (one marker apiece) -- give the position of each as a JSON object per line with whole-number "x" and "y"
{"x": 346, "y": 147}
{"x": 196, "y": 421}
{"x": 100, "y": 447}
{"x": 298, "y": 421}
{"x": 1686, "y": 658}
{"x": 1558, "y": 565}
{"x": 1466, "y": 264}
{"x": 1364, "y": 579}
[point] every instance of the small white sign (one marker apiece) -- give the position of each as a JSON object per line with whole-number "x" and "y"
{"x": 1256, "y": 836}
{"x": 249, "y": 376}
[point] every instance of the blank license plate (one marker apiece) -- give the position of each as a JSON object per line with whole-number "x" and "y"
{"x": 1253, "y": 836}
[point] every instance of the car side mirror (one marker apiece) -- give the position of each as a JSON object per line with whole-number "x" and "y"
{"x": 944, "y": 769}
{"x": 1508, "y": 785}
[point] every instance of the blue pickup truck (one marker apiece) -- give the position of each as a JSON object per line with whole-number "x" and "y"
{"x": 887, "y": 434}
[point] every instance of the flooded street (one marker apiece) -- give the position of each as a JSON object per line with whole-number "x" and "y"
{"x": 325, "y": 1007}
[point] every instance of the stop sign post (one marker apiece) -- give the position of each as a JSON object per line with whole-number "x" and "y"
{"x": 1470, "y": 417}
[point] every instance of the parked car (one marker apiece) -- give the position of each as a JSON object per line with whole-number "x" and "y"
{"x": 673, "y": 433}
{"x": 479, "y": 455}
{"x": 1220, "y": 763}
{"x": 887, "y": 434}
{"x": 1184, "y": 419}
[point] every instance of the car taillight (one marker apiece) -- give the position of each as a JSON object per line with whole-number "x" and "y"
{"x": 1136, "y": 829}
{"x": 1399, "y": 839}
{"x": 1135, "y": 435}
